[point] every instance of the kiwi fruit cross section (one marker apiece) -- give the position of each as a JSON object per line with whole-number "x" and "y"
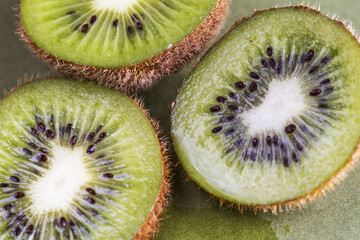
{"x": 125, "y": 44}
{"x": 269, "y": 117}
{"x": 78, "y": 161}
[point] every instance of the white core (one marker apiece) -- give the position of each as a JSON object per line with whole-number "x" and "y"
{"x": 283, "y": 101}
{"x": 114, "y": 5}
{"x": 59, "y": 186}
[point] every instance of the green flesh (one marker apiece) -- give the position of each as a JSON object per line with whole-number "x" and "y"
{"x": 129, "y": 151}
{"x": 56, "y": 27}
{"x": 216, "y": 163}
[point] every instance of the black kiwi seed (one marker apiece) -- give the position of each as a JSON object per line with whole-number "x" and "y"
{"x": 101, "y": 137}
{"x": 41, "y": 158}
{"x": 314, "y": 69}
{"x": 309, "y": 55}
{"x": 108, "y": 175}
{"x": 315, "y": 92}
{"x": 233, "y": 96}
{"x": 295, "y": 157}
{"x": 17, "y": 231}
{"x": 91, "y": 191}
{"x": 93, "y": 19}
{"x": 20, "y": 217}
{"x": 328, "y": 90}
{"x": 325, "y": 60}
{"x": 62, "y": 222}
{"x": 50, "y": 134}
{"x": 34, "y": 131}
{"x": 43, "y": 150}
{"x": 272, "y": 63}
{"x": 41, "y": 127}
{"x": 7, "y": 207}
{"x": 90, "y": 149}
{"x": 72, "y": 225}
{"x": 134, "y": 18}
{"x": 276, "y": 140}
{"x": 264, "y": 63}
{"x": 27, "y": 151}
{"x": 70, "y": 12}
{"x": 215, "y": 109}
{"x": 73, "y": 140}
{"x": 325, "y": 81}
{"x": 4, "y": 185}
{"x": 286, "y": 161}
{"x": 30, "y": 229}
{"x": 139, "y": 26}
{"x": 229, "y": 132}
{"x": 18, "y": 195}
{"x": 69, "y": 128}
{"x": 253, "y": 87}
{"x": 14, "y": 179}
{"x": 33, "y": 145}
{"x": 233, "y": 107}
{"x": 90, "y": 136}
{"x": 130, "y": 30}
{"x": 115, "y": 23}
{"x": 221, "y": 99}
{"x": 85, "y": 28}
{"x": 269, "y": 51}
{"x": 99, "y": 128}
{"x": 290, "y": 128}
{"x": 254, "y": 75}
{"x": 230, "y": 118}
{"x": 268, "y": 140}
{"x": 255, "y": 142}
{"x": 90, "y": 200}
{"x": 240, "y": 85}
{"x": 216, "y": 130}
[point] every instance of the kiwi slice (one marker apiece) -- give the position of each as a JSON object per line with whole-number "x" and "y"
{"x": 78, "y": 161}
{"x": 124, "y": 44}
{"x": 269, "y": 117}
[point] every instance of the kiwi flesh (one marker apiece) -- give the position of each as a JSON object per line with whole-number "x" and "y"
{"x": 79, "y": 161}
{"x": 121, "y": 44}
{"x": 269, "y": 117}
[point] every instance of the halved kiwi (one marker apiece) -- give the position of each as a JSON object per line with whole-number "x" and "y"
{"x": 79, "y": 161}
{"x": 269, "y": 118}
{"x": 123, "y": 44}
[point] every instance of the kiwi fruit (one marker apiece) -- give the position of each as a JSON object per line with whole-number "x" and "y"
{"x": 123, "y": 44}
{"x": 79, "y": 161}
{"x": 269, "y": 118}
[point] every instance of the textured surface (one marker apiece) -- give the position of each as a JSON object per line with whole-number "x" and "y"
{"x": 119, "y": 163}
{"x": 245, "y": 167}
{"x": 193, "y": 215}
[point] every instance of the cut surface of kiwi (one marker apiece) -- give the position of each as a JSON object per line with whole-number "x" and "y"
{"x": 111, "y": 35}
{"x": 78, "y": 161}
{"x": 269, "y": 117}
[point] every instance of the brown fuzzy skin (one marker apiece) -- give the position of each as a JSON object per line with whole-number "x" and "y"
{"x": 144, "y": 74}
{"x": 151, "y": 224}
{"x": 329, "y": 185}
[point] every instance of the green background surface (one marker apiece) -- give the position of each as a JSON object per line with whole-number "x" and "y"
{"x": 192, "y": 214}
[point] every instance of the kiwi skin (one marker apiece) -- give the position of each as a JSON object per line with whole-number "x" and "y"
{"x": 144, "y": 74}
{"x": 322, "y": 190}
{"x": 152, "y": 222}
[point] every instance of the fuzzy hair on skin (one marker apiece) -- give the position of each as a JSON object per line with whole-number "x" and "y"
{"x": 140, "y": 75}
{"x": 152, "y": 222}
{"x": 320, "y": 191}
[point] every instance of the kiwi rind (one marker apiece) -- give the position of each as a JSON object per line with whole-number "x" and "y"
{"x": 144, "y": 74}
{"x": 152, "y": 222}
{"x": 296, "y": 203}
